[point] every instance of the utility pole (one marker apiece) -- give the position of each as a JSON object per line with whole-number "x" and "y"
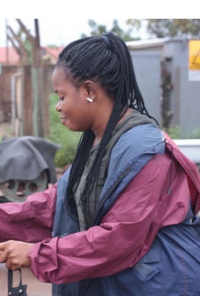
{"x": 37, "y": 60}
{"x": 37, "y": 76}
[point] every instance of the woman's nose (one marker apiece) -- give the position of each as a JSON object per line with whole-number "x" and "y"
{"x": 58, "y": 105}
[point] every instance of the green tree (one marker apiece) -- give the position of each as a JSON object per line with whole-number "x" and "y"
{"x": 174, "y": 27}
{"x": 98, "y": 30}
{"x": 135, "y": 23}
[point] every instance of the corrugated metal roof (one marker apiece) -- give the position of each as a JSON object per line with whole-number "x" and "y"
{"x": 146, "y": 43}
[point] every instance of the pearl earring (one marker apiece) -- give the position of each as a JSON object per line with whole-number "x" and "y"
{"x": 89, "y": 100}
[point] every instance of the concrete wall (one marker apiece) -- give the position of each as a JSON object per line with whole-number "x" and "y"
{"x": 148, "y": 74}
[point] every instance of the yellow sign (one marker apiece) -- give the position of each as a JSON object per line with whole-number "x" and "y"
{"x": 194, "y": 55}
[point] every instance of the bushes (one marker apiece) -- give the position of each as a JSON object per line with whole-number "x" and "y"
{"x": 61, "y": 135}
{"x": 175, "y": 133}
{"x": 195, "y": 134}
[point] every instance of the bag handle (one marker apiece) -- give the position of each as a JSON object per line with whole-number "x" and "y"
{"x": 16, "y": 291}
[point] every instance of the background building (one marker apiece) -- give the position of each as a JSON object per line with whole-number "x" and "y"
{"x": 162, "y": 70}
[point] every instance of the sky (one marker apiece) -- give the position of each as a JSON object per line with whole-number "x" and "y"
{"x": 63, "y": 21}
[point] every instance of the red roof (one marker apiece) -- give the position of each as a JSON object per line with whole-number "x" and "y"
{"x": 13, "y": 57}
{"x": 54, "y": 52}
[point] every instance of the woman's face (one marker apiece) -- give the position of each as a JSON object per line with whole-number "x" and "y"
{"x": 75, "y": 113}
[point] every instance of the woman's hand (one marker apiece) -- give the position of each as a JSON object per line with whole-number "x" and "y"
{"x": 15, "y": 254}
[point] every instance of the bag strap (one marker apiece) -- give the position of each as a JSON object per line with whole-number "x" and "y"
{"x": 10, "y": 281}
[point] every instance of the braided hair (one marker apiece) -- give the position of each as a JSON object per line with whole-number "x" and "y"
{"x": 105, "y": 60}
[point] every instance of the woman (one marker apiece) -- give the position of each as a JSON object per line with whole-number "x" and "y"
{"x": 123, "y": 220}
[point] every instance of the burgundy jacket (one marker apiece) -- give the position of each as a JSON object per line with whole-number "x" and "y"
{"x": 79, "y": 256}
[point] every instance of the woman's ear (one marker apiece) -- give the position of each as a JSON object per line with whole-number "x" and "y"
{"x": 90, "y": 89}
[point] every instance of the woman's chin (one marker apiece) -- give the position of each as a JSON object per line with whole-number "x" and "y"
{"x": 64, "y": 121}
{"x": 67, "y": 124}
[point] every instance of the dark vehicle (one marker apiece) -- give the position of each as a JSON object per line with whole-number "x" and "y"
{"x": 26, "y": 166}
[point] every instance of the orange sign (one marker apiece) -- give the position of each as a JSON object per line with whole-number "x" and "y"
{"x": 194, "y": 54}
{"x": 194, "y": 60}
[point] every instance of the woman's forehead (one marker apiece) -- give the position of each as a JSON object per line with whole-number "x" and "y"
{"x": 58, "y": 77}
{"x": 58, "y": 73}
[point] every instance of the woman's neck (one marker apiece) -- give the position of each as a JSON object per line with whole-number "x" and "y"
{"x": 97, "y": 139}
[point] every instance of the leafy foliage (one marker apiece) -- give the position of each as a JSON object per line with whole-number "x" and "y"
{"x": 98, "y": 30}
{"x": 175, "y": 133}
{"x": 61, "y": 135}
{"x": 174, "y": 27}
{"x": 159, "y": 28}
{"x": 195, "y": 134}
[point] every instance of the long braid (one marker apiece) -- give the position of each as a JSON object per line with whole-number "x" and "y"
{"x": 107, "y": 61}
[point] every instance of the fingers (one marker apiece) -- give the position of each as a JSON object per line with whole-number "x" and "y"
{"x": 15, "y": 254}
{"x": 2, "y": 246}
{"x": 3, "y": 257}
{"x": 10, "y": 264}
{"x": 3, "y": 254}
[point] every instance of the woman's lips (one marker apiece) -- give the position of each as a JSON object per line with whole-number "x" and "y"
{"x": 62, "y": 119}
